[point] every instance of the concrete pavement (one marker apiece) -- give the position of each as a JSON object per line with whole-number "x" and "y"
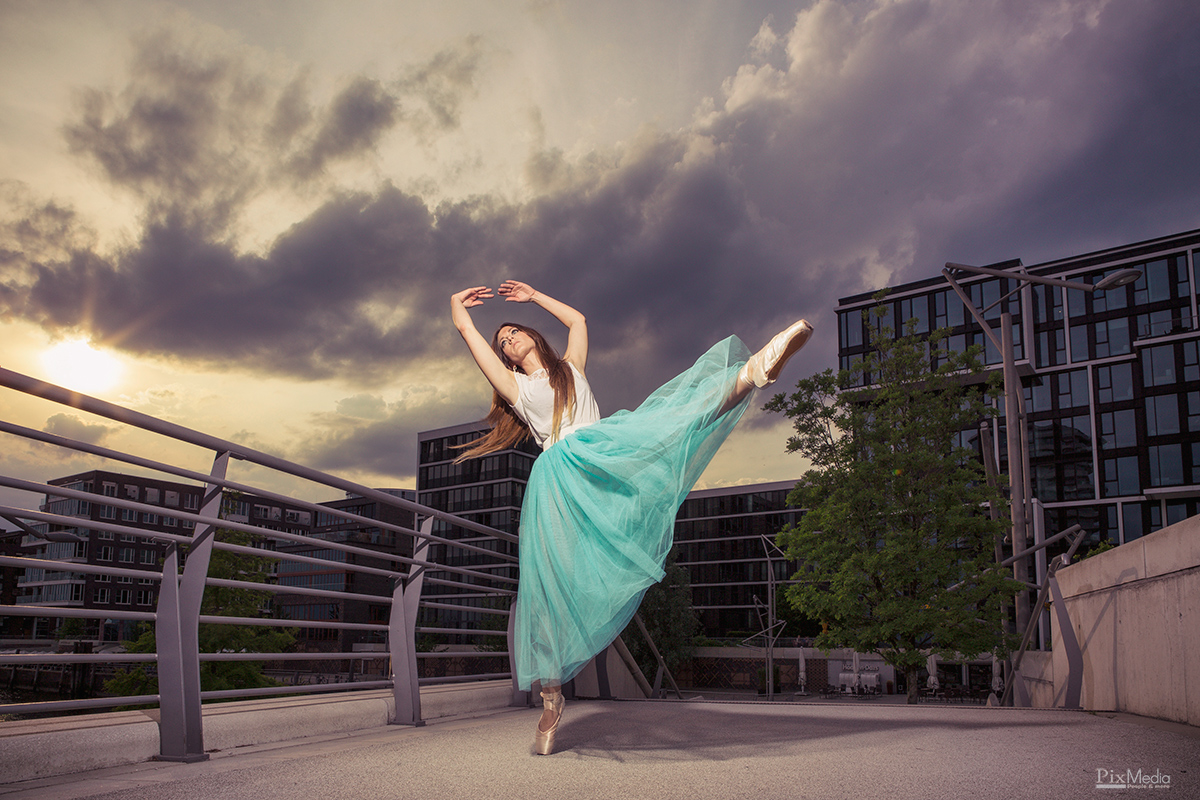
{"x": 665, "y": 750}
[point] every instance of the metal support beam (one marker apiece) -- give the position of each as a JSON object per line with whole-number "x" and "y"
{"x": 406, "y": 600}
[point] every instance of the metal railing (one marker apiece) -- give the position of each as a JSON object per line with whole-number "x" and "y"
{"x": 477, "y": 588}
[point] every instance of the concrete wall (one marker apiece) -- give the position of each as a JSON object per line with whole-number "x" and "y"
{"x": 1136, "y": 613}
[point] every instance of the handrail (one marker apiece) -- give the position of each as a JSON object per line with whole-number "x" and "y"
{"x": 176, "y": 616}
{"x": 57, "y": 394}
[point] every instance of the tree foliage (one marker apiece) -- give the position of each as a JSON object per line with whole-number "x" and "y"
{"x": 896, "y": 542}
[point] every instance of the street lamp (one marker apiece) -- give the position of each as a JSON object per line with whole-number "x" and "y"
{"x": 1014, "y": 400}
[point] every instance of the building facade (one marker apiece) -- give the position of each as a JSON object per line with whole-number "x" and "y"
{"x": 84, "y": 544}
{"x": 725, "y": 538}
{"x": 330, "y": 526}
{"x": 487, "y": 490}
{"x": 1111, "y": 379}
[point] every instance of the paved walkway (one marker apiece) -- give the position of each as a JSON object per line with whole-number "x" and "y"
{"x": 664, "y": 750}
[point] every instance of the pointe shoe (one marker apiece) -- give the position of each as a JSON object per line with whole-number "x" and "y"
{"x": 543, "y": 741}
{"x": 764, "y": 366}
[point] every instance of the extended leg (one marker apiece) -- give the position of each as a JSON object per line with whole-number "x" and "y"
{"x": 764, "y": 366}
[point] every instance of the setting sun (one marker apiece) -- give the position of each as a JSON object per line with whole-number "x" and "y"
{"x": 75, "y": 364}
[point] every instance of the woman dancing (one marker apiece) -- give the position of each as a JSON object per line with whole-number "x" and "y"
{"x": 599, "y": 510}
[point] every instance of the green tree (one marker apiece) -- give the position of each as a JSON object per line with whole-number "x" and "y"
{"x": 896, "y": 543}
{"x": 672, "y": 622}
{"x": 219, "y": 601}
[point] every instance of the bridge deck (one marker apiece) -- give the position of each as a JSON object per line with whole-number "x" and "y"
{"x": 665, "y": 750}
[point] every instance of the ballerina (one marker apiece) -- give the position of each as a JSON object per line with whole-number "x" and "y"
{"x": 599, "y": 510}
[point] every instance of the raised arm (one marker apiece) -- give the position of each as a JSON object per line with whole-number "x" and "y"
{"x": 577, "y": 336}
{"x": 489, "y": 363}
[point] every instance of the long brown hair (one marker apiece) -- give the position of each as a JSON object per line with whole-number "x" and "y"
{"x": 508, "y": 429}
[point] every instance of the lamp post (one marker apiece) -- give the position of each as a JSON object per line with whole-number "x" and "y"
{"x": 1014, "y": 400}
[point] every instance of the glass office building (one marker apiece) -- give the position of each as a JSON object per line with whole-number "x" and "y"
{"x": 1111, "y": 379}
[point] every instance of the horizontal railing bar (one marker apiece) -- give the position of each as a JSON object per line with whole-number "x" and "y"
{"x": 456, "y": 607}
{"x": 464, "y": 631}
{"x": 51, "y": 706}
{"x": 291, "y": 656}
{"x": 25, "y": 562}
{"x": 332, "y": 566}
{"x": 182, "y": 472}
{"x": 75, "y": 658}
{"x": 272, "y": 622}
{"x": 182, "y": 513}
{"x": 91, "y": 524}
{"x": 79, "y": 613}
{"x": 301, "y": 590}
{"x": 490, "y": 676}
{"x": 93, "y": 405}
{"x": 506, "y": 565}
{"x": 216, "y": 522}
{"x": 461, "y": 654}
{"x": 472, "y": 586}
{"x": 268, "y": 691}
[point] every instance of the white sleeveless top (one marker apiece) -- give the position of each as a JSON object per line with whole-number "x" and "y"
{"x": 535, "y": 406}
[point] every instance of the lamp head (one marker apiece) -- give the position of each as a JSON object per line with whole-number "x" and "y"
{"x": 1122, "y": 277}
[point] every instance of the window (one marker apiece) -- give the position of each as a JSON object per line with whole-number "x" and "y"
{"x": 145, "y": 597}
{"x": 101, "y": 596}
{"x": 104, "y": 535}
{"x": 1121, "y": 476}
{"x": 128, "y": 515}
{"x": 1117, "y": 429}
{"x": 1166, "y": 464}
{"x": 171, "y": 499}
{"x": 191, "y": 502}
{"x": 108, "y": 512}
{"x": 914, "y": 311}
{"x": 170, "y": 522}
{"x": 1131, "y": 516}
{"x": 131, "y": 491}
{"x": 151, "y": 495}
{"x": 149, "y": 557}
{"x": 1112, "y": 337}
{"x": 104, "y": 553}
{"x": 103, "y": 579}
{"x": 1158, "y": 365}
{"x": 109, "y": 489}
{"x": 1072, "y": 388}
{"x": 1162, "y": 415}
{"x": 149, "y": 519}
{"x": 128, "y": 554}
{"x": 1114, "y": 382}
{"x": 124, "y": 597}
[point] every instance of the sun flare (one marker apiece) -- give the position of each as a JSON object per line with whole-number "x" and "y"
{"x": 77, "y": 365}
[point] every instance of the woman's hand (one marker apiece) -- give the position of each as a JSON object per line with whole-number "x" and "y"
{"x": 474, "y": 296}
{"x": 516, "y": 292}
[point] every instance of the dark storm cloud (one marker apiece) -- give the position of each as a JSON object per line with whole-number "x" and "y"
{"x": 72, "y": 427}
{"x": 384, "y": 441}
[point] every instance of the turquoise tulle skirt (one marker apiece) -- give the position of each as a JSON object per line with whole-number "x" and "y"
{"x": 599, "y": 515}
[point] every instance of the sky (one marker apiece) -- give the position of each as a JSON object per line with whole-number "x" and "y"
{"x": 247, "y": 218}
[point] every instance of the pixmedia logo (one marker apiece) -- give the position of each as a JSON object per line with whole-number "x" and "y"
{"x": 1130, "y": 779}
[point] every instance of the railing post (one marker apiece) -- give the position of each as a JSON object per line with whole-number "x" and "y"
{"x": 172, "y": 727}
{"x": 402, "y": 624}
{"x": 186, "y": 621}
